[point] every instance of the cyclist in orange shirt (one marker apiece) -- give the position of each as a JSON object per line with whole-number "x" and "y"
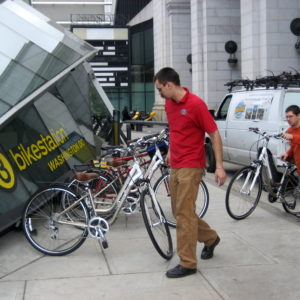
{"x": 293, "y": 136}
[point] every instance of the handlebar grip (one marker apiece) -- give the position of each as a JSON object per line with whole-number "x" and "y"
{"x": 255, "y": 129}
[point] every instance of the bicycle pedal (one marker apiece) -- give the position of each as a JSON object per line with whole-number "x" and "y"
{"x": 105, "y": 244}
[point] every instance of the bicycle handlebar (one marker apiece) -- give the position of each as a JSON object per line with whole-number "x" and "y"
{"x": 149, "y": 139}
{"x": 265, "y": 134}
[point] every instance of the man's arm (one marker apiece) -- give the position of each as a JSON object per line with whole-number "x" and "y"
{"x": 220, "y": 174}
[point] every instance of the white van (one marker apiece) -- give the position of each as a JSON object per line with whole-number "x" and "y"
{"x": 241, "y": 109}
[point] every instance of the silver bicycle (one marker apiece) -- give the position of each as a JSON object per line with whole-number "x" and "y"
{"x": 57, "y": 220}
{"x": 245, "y": 188}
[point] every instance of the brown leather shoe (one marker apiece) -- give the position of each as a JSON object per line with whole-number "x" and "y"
{"x": 208, "y": 251}
{"x": 180, "y": 271}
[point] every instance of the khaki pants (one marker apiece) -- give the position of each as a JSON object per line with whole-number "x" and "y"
{"x": 184, "y": 184}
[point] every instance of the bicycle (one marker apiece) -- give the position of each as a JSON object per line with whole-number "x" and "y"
{"x": 111, "y": 169}
{"x": 114, "y": 167}
{"x": 57, "y": 229}
{"x": 245, "y": 188}
{"x": 161, "y": 186}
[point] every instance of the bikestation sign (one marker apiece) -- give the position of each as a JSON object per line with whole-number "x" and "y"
{"x": 23, "y": 156}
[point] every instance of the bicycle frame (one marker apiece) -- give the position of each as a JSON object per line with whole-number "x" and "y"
{"x": 134, "y": 176}
{"x": 265, "y": 160}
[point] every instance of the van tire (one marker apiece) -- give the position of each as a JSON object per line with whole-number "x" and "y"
{"x": 210, "y": 158}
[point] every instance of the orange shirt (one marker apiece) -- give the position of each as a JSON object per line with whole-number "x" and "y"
{"x": 294, "y": 151}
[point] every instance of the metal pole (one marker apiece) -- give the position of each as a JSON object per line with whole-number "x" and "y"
{"x": 116, "y": 127}
{"x": 128, "y": 131}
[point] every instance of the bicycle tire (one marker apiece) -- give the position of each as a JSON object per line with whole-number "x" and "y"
{"x": 158, "y": 231}
{"x": 44, "y": 228}
{"x": 290, "y": 204}
{"x": 240, "y": 205}
{"x": 163, "y": 196}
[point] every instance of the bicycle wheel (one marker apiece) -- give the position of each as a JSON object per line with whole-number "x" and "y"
{"x": 103, "y": 200}
{"x": 157, "y": 229}
{"x": 48, "y": 228}
{"x": 163, "y": 196}
{"x": 290, "y": 203}
{"x": 240, "y": 200}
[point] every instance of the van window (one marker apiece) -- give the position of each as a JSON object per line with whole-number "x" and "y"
{"x": 222, "y": 114}
{"x": 290, "y": 98}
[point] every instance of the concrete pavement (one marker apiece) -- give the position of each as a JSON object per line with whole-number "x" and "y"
{"x": 258, "y": 258}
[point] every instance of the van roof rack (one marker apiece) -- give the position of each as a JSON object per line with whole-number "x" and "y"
{"x": 285, "y": 80}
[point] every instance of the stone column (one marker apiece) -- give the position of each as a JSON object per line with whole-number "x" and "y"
{"x": 267, "y": 42}
{"x": 214, "y": 22}
{"x": 171, "y": 31}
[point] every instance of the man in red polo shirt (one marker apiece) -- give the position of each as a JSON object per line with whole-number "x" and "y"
{"x": 189, "y": 120}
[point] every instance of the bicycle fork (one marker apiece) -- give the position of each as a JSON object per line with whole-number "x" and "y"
{"x": 246, "y": 190}
{"x": 156, "y": 207}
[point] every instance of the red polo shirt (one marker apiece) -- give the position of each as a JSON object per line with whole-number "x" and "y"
{"x": 188, "y": 120}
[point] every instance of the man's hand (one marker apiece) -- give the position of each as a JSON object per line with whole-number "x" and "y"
{"x": 284, "y": 156}
{"x": 287, "y": 136}
{"x": 220, "y": 176}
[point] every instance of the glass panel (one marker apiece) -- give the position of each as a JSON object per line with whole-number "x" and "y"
{"x": 3, "y": 108}
{"x": 30, "y": 147}
{"x": 40, "y": 62}
{"x": 29, "y": 55}
{"x": 72, "y": 95}
{"x": 149, "y": 48}
{"x": 224, "y": 109}
{"x": 34, "y": 29}
{"x": 137, "y": 73}
{"x": 16, "y": 82}
{"x": 74, "y": 146}
{"x": 149, "y": 87}
{"x": 65, "y": 54}
{"x": 149, "y": 73}
{"x": 290, "y": 98}
{"x": 124, "y": 101}
{"x": 137, "y": 87}
{"x": 137, "y": 46}
{"x": 138, "y": 100}
{"x": 149, "y": 101}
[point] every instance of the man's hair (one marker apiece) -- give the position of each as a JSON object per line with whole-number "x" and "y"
{"x": 294, "y": 109}
{"x": 167, "y": 74}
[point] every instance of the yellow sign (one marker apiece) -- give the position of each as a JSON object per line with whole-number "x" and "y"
{"x": 25, "y": 156}
{"x": 7, "y": 176}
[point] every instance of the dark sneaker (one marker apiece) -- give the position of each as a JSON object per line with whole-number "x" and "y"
{"x": 208, "y": 251}
{"x": 180, "y": 271}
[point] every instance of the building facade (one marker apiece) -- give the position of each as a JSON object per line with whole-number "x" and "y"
{"x": 190, "y": 36}
{"x": 210, "y": 42}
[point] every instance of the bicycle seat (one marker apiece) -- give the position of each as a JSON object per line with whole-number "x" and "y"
{"x": 81, "y": 176}
{"x": 116, "y": 163}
